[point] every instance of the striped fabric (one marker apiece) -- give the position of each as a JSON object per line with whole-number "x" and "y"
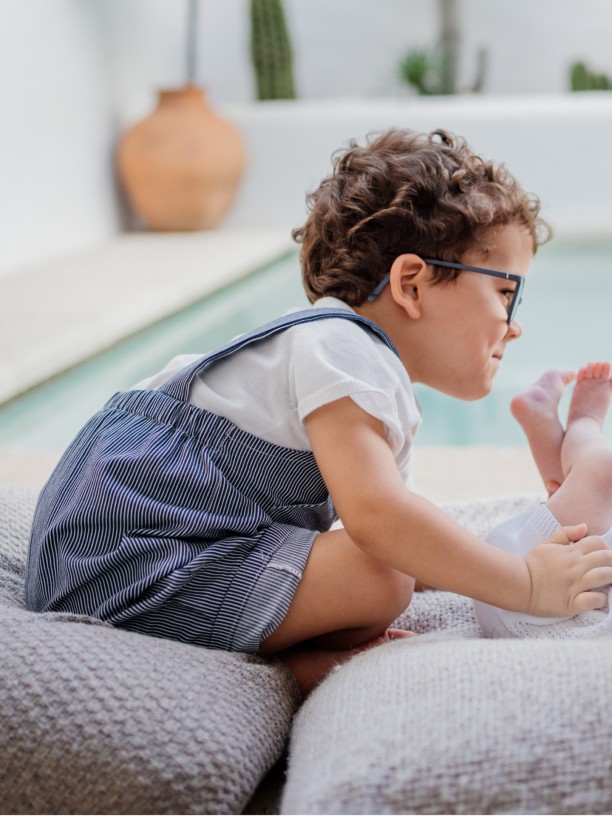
{"x": 169, "y": 520}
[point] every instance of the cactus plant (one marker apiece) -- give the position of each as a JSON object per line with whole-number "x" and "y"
{"x": 430, "y": 71}
{"x": 583, "y": 79}
{"x": 434, "y": 71}
{"x": 271, "y": 50}
{"x": 415, "y": 69}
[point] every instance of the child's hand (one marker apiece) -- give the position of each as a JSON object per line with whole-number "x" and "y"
{"x": 564, "y": 568}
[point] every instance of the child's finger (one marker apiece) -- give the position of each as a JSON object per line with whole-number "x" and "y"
{"x": 588, "y": 601}
{"x": 596, "y": 577}
{"x": 591, "y": 544}
{"x": 565, "y": 535}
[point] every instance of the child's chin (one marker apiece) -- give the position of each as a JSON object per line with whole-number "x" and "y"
{"x": 478, "y": 394}
{"x": 469, "y": 392}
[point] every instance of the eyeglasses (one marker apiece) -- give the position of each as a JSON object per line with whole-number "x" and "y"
{"x": 517, "y": 294}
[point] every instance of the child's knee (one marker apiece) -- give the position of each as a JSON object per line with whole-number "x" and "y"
{"x": 396, "y": 591}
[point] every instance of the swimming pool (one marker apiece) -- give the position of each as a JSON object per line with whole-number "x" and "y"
{"x": 565, "y": 315}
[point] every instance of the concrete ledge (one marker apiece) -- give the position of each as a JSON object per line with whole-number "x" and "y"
{"x": 57, "y": 314}
{"x": 452, "y": 473}
{"x": 558, "y": 147}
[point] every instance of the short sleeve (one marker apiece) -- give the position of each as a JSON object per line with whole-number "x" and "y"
{"x": 333, "y": 359}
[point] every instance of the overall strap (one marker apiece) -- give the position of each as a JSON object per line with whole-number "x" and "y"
{"x": 179, "y": 385}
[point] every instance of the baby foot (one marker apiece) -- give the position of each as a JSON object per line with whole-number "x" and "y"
{"x": 537, "y": 412}
{"x": 592, "y": 393}
{"x": 537, "y": 407}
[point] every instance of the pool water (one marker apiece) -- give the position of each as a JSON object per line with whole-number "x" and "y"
{"x": 565, "y": 316}
{"x": 49, "y": 416}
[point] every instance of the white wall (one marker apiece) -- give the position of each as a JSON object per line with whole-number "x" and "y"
{"x": 556, "y": 145}
{"x": 75, "y": 73}
{"x": 352, "y": 47}
{"x": 532, "y": 43}
{"x": 145, "y": 46}
{"x": 55, "y": 133}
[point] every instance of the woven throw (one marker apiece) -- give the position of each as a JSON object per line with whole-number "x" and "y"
{"x": 99, "y": 720}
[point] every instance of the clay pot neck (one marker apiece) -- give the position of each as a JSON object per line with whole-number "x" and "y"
{"x": 188, "y": 95}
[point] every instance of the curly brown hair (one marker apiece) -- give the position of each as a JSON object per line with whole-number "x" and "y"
{"x": 405, "y": 192}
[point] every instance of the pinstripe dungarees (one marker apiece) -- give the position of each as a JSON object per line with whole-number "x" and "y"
{"x": 169, "y": 520}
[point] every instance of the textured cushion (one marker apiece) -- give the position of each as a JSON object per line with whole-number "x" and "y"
{"x": 458, "y": 726}
{"x": 450, "y": 722}
{"x": 98, "y": 720}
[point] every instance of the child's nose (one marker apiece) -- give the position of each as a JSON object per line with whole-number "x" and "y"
{"x": 514, "y": 330}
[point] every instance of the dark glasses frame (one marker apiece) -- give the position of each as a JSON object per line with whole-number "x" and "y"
{"x": 517, "y": 295}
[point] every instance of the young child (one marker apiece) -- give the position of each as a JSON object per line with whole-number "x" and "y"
{"x": 577, "y": 464}
{"x": 197, "y": 507}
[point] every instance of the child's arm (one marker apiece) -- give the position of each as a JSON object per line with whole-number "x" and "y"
{"x": 406, "y": 531}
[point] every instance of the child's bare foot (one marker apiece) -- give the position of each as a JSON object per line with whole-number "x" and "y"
{"x": 536, "y": 412}
{"x": 538, "y": 405}
{"x": 592, "y": 393}
{"x": 310, "y": 665}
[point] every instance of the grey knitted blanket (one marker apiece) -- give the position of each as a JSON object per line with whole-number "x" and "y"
{"x": 98, "y": 720}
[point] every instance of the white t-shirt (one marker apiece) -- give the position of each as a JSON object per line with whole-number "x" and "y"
{"x": 270, "y": 387}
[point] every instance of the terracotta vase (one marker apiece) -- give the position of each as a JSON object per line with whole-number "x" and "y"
{"x": 181, "y": 166}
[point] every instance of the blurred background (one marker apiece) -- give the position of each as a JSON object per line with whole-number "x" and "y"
{"x": 75, "y": 73}
{"x": 88, "y": 264}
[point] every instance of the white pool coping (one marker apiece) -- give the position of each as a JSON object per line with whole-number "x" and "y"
{"x": 57, "y": 314}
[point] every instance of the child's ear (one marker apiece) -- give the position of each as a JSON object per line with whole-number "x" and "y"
{"x": 408, "y": 281}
